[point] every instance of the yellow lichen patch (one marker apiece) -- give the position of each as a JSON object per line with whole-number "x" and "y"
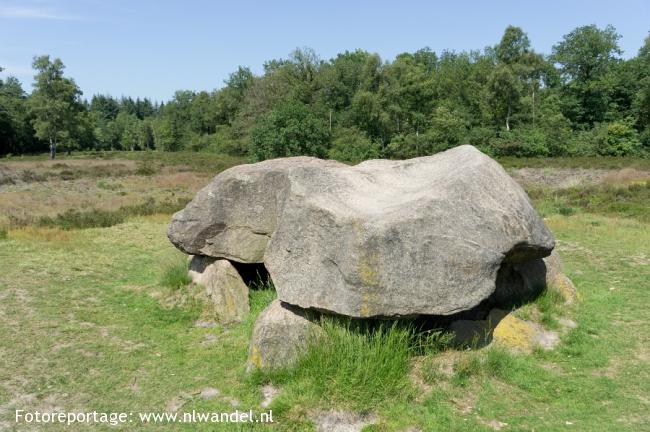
{"x": 515, "y": 333}
{"x": 565, "y": 288}
{"x": 256, "y": 357}
{"x": 368, "y": 263}
{"x": 364, "y": 309}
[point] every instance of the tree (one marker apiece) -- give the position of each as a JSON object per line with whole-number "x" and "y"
{"x": 128, "y": 124}
{"x": 641, "y": 103}
{"x": 106, "y": 107}
{"x": 504, "y": 94}
{"x": 16, "y": 133}
{"x": 585, "y": 57}
{"x": 513, "y": 47}
{"x": 54, "y": 103}
{"x": 518, "y": 73}
{"x": 289, "y": 130}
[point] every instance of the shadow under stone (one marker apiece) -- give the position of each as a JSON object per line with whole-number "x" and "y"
{"x": 254, "y": 275}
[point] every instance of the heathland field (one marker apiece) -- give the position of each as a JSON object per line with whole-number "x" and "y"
{"x": 96, "y": 313}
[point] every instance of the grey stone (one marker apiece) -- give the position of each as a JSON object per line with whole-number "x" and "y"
{"x": 225, "y": 290}
{"x": 343, "y": 421}
{"x": 235, "y": 215}
{"x": 268, "y": 394}
{"x": 209, "y": 393}
{"x": 557, "y": 280}
{"x": 382, "y": 238}
{"x": 280, "y": 333}
{"x": 402, "y": 238}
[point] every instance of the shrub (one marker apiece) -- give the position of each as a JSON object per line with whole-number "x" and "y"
{"x": 524, "y": 142}
{"x": 226, "y": 141}
{"x": 644, "y": 137}
{"x": 3, "y": 232}
{"x": 73, "y": 218}
{"x": 146, "y": 167}
{"x": 480, "y": 137}
{"x": 618, "y": 138}
{"x": 29, "y": 176}
{"x": 583, "y": 143}
{"x": 108, "y": 186}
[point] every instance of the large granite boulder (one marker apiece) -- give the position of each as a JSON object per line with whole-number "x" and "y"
{"x": 382, "y": 238}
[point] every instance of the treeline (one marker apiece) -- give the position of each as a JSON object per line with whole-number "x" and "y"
{"x": 582, "y": 99}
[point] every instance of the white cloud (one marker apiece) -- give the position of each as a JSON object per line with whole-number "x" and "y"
{"x": 35, "y": 13}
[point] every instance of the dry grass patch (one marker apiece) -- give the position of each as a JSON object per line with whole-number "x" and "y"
{"x": 44, "y": 234}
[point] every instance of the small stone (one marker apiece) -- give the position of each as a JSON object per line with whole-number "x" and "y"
{"x": 268, "y": 393}
{"x": 342, "y": 421}
{"x": 209, "y": 393}
{"x": 204, "y": 324}
{"x": 567, "y": 323}
{"x": 557, "y": 280}
{"x": 280, "y": 333}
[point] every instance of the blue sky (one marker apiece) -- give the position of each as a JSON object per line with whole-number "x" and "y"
{"x": 152, "y": 48}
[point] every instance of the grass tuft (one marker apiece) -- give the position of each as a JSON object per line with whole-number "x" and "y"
{"x": 175, "y": 276}
{"x": 549, "y": 304}
{"x": 466, "y": 367}
{"x": 494, "y": 362}
{"x": 359, "y": 367}
{"x": 360, "y": 364}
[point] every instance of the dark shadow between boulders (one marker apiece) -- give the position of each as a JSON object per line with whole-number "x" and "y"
{"x": 254, "y": 275}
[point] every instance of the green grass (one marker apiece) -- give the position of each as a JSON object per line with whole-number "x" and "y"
{"x": 175, "y": 275}
{"x": 83, "y": 326}
{"x": 358, "y": 364}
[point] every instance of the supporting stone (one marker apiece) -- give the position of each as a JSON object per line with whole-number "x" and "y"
{"x": 226, "y": 292}
{"x": 280, "y": 333}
